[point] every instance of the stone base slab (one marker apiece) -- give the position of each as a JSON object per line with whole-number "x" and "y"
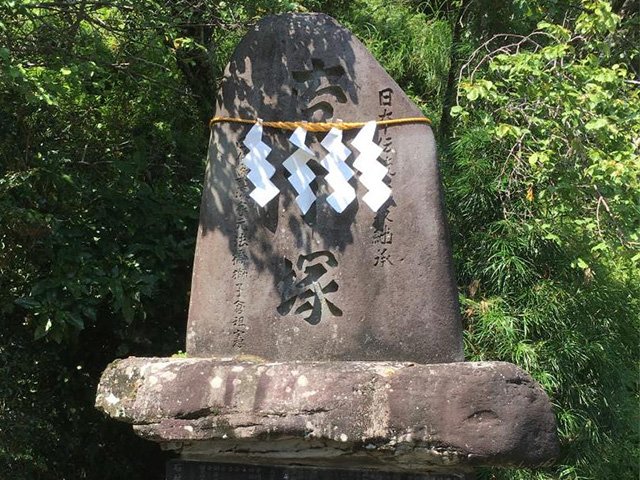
{"x": 181, "y": 470}
{"x": 386, "y": 416}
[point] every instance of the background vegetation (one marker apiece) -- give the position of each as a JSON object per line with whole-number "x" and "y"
{"x": 103, "y": 108}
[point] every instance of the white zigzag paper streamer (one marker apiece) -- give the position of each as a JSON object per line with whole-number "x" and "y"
{"x": 301, "y": 175}
{"x": 372, "y": 171}
{"x": 339, "y": 172}
{"x": 260, "y": 171}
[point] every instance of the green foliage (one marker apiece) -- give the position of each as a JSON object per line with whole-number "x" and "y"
{"x": 50, "y": 428}
{"x": 545, "y": 184}
{"x": 412, "y": 47}
{"x": 99, "y": 193}
{"x": 103, "y": 110}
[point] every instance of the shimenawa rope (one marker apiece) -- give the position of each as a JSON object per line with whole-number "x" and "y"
{"x": 320, "y": 126}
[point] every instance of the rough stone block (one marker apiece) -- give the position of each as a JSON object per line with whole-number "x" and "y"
{"x": 369, "y": 415}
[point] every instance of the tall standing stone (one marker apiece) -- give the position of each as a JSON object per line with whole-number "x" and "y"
{"x": 355, "y": 285}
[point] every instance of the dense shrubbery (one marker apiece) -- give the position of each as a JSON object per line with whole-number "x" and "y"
{"x": 102, "y": 144}
{"x": 545, "y": 155}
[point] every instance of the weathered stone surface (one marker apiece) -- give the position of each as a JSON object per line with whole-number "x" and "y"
{"x": 369, "y": 415}
{"x": 387, "y": 277}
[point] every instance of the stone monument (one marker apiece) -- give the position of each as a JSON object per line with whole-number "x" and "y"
{"x": 324, "y": 336}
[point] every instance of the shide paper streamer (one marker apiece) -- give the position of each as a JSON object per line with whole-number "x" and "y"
{"x": 372, "y": 172}
{"x": 301, "y": 175}
{"x": 339, "y": 172}
{"x": 260, "y": 171}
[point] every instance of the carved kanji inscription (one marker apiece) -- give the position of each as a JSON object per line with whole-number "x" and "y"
{"x": 307, "y": 286}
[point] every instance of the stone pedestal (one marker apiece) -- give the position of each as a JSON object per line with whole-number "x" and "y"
{"x": 369, "y": 416}
{"x": 325, "y": 344}
{"x": 180, "y": 470}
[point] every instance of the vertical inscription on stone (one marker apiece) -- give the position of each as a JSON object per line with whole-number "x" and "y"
{"x": 240, "y": 256}
{"x": 382, "y": 228}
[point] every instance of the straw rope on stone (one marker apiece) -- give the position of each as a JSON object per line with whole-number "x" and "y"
{"x": 320, "y": 126}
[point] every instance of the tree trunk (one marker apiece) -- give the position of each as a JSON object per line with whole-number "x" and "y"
{"x": 450, "y": 91}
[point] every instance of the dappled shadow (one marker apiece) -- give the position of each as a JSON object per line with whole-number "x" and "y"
{"x": 290, "y": 67}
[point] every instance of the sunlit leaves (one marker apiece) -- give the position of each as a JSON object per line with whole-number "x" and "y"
{"x": 412, "y": 47}
{"x": 545, "y": 197}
